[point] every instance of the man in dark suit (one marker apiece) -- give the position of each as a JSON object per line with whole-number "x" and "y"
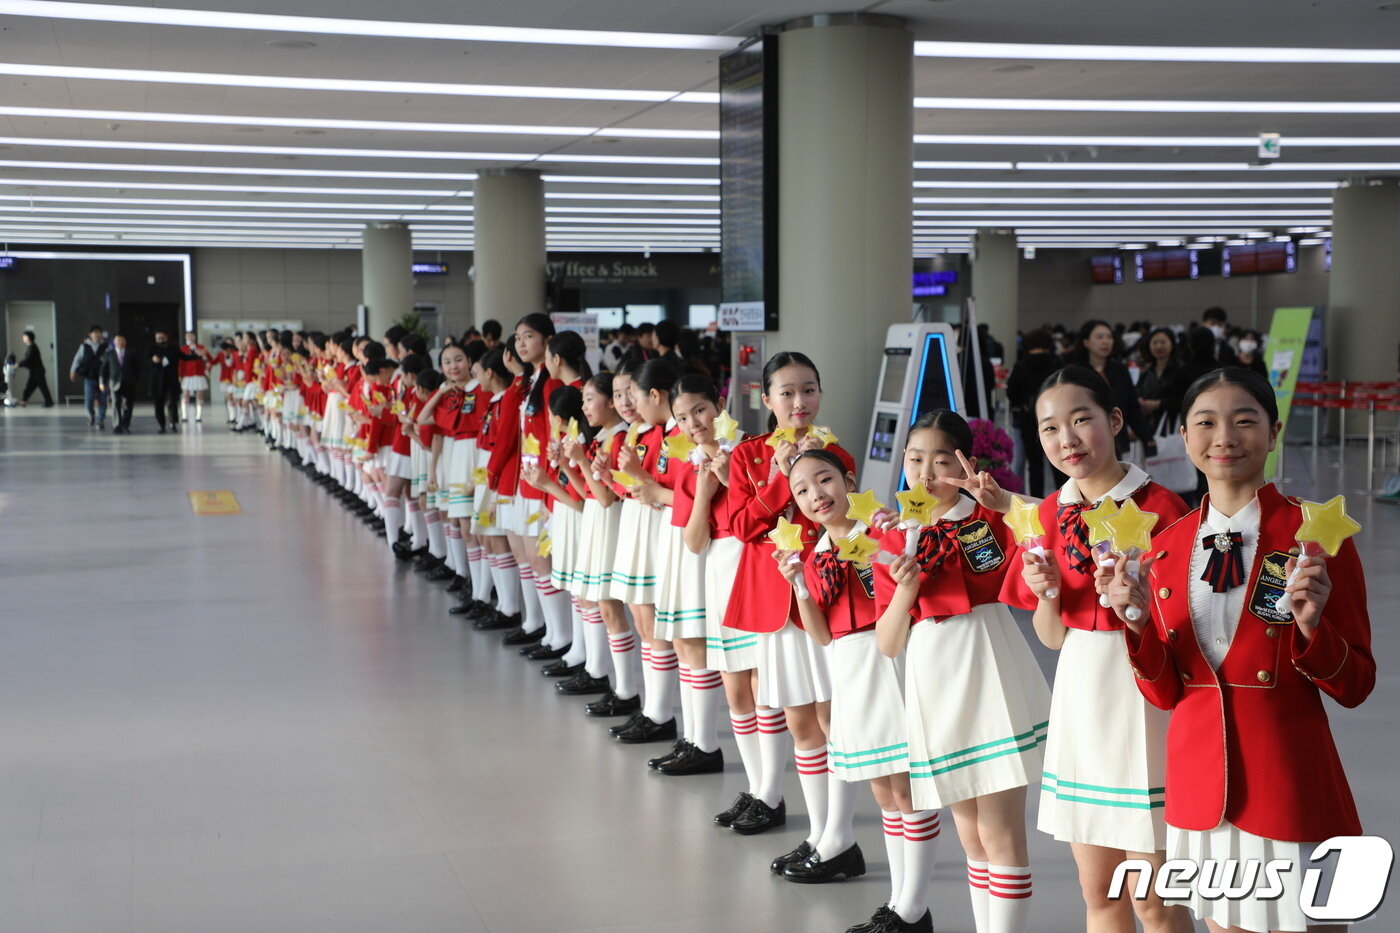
{"x": 120, "y": 369}
{"x": 165, "y": 380}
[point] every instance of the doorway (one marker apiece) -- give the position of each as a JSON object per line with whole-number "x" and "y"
{"x": 37, "y": 316}
{"x": 138, "y": 322}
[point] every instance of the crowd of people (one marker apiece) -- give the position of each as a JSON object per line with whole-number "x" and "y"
{"x": 616, "y": 527}
{"x": 177, "y": 378}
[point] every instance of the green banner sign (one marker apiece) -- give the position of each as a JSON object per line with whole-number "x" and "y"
{"x": 1288, "y": 336}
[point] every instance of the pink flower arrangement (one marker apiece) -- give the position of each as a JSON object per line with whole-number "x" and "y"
{"x": 993, "y": 450}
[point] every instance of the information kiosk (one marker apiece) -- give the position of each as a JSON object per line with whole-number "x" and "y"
{"x": 919, "y": 374}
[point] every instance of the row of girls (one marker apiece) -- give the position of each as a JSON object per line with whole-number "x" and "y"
{"x": 609, "y": 525}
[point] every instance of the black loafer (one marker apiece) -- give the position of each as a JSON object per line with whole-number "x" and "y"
{"x": 676, "y": 751}
{"x": 458, "y": 584}
{"x": 474, "y": 608}
{"x": 875, "y": 924}
{"x": 613, "y": 705}
{"x": 494, "y": 621}
{"x": 560, "y": 668}
{"x": 759, "y": 818}
{"x": 893, "y": 923}
{"x": 648, "y": 731}
{"x": 736, "y": 809}
{"x": 693, "y": 761}
{"x": 803, "y": 850}
{"x": 543, "y": 653}
{"x": 581, "y": 685}
{"x": 521, "y": 637}
{"x": 631, "y": 721}
{"x": 442, "y": 573}
{"x": 816, "y": 870}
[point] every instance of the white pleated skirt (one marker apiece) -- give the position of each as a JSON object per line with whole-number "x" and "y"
{"x": 726, "y": 649}
{"x": 563, "y": 533}
{"x": 509, "y": 514}
{"x": 1105, "y": 759}
{"x": 598, "y": 550}
{"x": 484, "y": 502}
{"x": 1229, "y": 842}
{"x": 333, "y": 430}
{"x": 869, "y": 731}
{"x": 250, "y": 392}
{"x": 680, "y": 600}
{"x": 439, "y": 499}
{"x": 578, "y": 562}
{"x": 418, "y": 459}
{"x": 459, "y": 476}
{"x": 194, "y": 383}
{"x": 977, "y": 705}
{"x": 400, "y": 465}
{"x": 291, "y": 406}
{"x": 793, "y": 670}
{"x": 533, "y": 516}
{"x": 634, "y": 567}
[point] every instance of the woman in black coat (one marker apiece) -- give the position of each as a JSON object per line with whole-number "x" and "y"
{"x": 1159, "y": 386}
{"x": 1095, "y": 349}
{"x": 38, "y": 376}
{"x": 1035, "y": 364}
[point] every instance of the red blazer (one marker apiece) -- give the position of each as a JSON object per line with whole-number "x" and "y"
{"x": 1079, "y": 602}
{"x": 534, "y": 421}
{"x": 762, "y": 600}
{"x": 975, "y": 579}
{"x": 1250, "y": 743}
{"x": 855, "y": 608}
{"x": 504, "y": 465}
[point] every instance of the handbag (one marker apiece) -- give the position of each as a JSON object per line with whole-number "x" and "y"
{"x": 1171, "y": 467}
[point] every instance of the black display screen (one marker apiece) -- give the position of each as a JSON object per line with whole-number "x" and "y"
{"x": 748, "y": 176}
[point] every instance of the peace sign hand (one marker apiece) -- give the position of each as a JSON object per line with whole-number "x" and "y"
{"x": 981, "y": 486}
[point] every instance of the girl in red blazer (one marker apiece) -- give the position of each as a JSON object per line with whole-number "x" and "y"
{"x": 792, "y": 673}
{"x": 1104, "y": 757}
{"x": 1252, "y": 771}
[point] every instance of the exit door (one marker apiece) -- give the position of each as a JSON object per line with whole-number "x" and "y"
{"x": 37, "y": 316}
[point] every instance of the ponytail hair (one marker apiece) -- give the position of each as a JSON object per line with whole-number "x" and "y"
{"x": 950, "y": 423}
{"x": 656, "y": 375}
{"x": 566, "y": 404}
{"x": 430, "y": 380}
{"x": 494, "y": 361}
{"x": 602, "y": 383}
{"x": 695, "y": 384}
{"x": 787, "y": 358}
{"x": 569, "y": 346}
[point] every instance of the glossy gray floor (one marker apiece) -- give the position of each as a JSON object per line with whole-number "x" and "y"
{"x": 260, "y": 723}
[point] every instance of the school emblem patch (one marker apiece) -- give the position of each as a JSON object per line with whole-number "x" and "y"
{"x": 980, "y": 547}
{"x": 1268, "y": 587}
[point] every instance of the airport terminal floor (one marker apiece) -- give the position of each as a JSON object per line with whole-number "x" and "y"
{"x": 262, "y": 722}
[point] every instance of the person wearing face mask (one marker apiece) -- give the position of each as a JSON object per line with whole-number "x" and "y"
{"x": 1251, "y": 356}
{"x": 1216, "y": 320}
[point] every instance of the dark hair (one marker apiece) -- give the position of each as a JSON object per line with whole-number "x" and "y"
{"x": 602, "y": 382}
{"x": 667, "y": 333}
{"x": 284, "y": 339}
{"x": 627, "y": 330}
{"x": 541, "y": 324}
{"x": 566, "y": 404}
{"x": 1253, "y": 383}
{"x": 414, "y": 343}
{"x": 787, "y": 358}
{"x": 825, "y": 456}
{"x": 950, "y": 423}
{"x": 1201, "y": 343}
{"x": 1084, "y": 378}
{"x": 1144, "y": 346}
{"x": 494, "y": 361}
{"x": 695, "y": 384}
{"x": 450, "y": 346}
{"x": 1038, "y": 339}
{"x": 569, "y": 346}
{"x": 30, "y": 335}
{"x": 1079, "y": 353}
{"x": 656, "y": 375}
{"x": 474, "y": 349}
{"x": 98, "y": 327}
{"x": 395, "y": 333}
{"x": 226, "y": 345}
{"x": 629, "y": 366}
{"x": 430, "y": 380}
{"x": 374, "y": 367}
{"x": 346, "y": 343}
{"x": 508, "y": 346}
{"x": 492, "y": 329}
{"x": 1215, "y": 314}
{"x": 414, "y": 363}
{"x": 373, "y": 350}
{"x": 645, "y": 329}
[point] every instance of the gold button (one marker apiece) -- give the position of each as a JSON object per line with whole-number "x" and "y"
{"x": 1161, "y": 554}
{"x": 1271, "y": 631}
{"x": 811, "y": 532}
{"x": 761, "y": 483}
{"x": 1264, "y": 677}
{"x": 757, "y": 459}
{"x": 1171, "y": 635}
{"x": 1185, "y": 675}
{"x": 1164, "y": 592}
{"x": 1295, "y": 550}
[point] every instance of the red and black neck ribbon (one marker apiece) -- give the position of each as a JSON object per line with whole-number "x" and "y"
{"x": 937, "y": 543}
{"x": 831, "y": 577}
{"x": 1076, "y": 534}
{"x": 1225, "y": 565}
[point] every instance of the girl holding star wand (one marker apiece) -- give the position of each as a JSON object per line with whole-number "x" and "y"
{"x": 975, "y": 701}
{"x": 1102, "y": 785}
{"x": 1252, "y": 773}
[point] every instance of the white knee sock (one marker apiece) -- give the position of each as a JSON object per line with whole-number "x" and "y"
{"x": 437, "y": 538}
{"x": 893, "y": 823}
{"x": 558, "y": 613}
{"x": 417, "y": 525}
{"x": 980, "y": 892}
{"x": 533, "y": 619}
{"x": 745, "y": 728}
{"x": 1010, "y": 903}
{"x": 811, "y": 774}
{"x": 456, "y": 548}
{"x": 776, "y": 744}
{"x": 661, "y": 702}
{"x": 598, "y": 658}
{"x": 687, "y": 696}
{"x": 507, "y": 580}
{"x": 323, "y": 460}
{"x": 706, "y": 702}
{"x": 838, "y": 833}
{"x": 921, "y": 830}
{"x": 479, "y": 573}
{"x": 393, "y": 519}
{"x": 623, "y": 648}
{"x": 198, "y": 410}
{"x": 578, "y": 644}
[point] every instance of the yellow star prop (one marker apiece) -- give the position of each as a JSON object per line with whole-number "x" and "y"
{"x": 916, "y": 505}
{"x": 725, "y": 427}
{"x": 1097, "y": 520}
{"x": 544, "y": 545}
{"x": 480, "y": 477}
{"x": 863, "y": 506}
{"x": 780, "y": 435}
{"x": 1024, "y": 520}
{"x": 1327, "y": 524}
{"x": 857, "y": 548}
{"x": 825, "y": 435}
{"x": 787, "y": 536}
{"x": 632, "y": 432}
{"x": 530, "y": 446}
{"x": 483, "y": 518}
{"x": 573, "y": 433}
{"x": 678, "y": 447}
{"x": 626, "y": 480}
{"x": 1131, "y": 528}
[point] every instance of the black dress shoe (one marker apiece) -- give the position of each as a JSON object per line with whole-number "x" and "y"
{"x": 736, "y": 809}
{"x": 693, "y": 761}
{"x": 759, "y": 818}
{"x": 648, "y": 731}
{"x": 560, "y": 668}
{"x": 427, "y": 563}
{"x": 631, "y": 721}
{"x": 816, "y": 870}
{"x": 675, "y": 752}
{"x": 457, "y": 583}
{"x": 521, "y": 637}
{"x": 613, "y": 705}
{"x": 581, "y": 685}
{"x": 442, "y": 573}
{"x": 803, "y": 850}
{"x": 495, "y": 621}
{"x": 541, "y": 653}
{"x": 401, "y": 551}
{"x": 875, "y": 924}
{"x": 472, "y": 608}
{"x": 893, "y": 923}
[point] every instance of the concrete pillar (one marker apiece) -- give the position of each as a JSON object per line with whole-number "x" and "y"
{"x": 996, "y": 264}
{"x": 509, "y": 256}
{"x": 846, "y": 177}
{"x": 1363, "y": 294}
{"x": 386, "y": 268}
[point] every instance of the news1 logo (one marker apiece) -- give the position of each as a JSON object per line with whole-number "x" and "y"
{"x": 1359, "y": 879}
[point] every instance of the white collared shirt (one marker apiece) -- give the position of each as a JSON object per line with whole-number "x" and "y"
{"x": 1131, "y": 482}
{"x": 1215, "y": 616}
